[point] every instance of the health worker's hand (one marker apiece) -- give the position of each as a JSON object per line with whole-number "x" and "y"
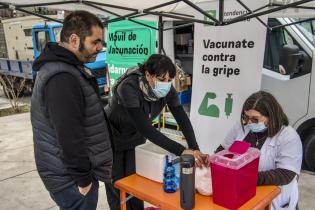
{"x": 200, "y": 158}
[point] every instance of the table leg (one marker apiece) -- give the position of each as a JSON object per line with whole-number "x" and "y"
{"x": 123, "y": 198}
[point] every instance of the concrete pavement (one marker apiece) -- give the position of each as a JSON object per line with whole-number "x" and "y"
{"x": 21, "y": 187}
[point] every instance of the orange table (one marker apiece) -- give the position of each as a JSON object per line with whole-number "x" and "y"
{"x": 152, "y": 192}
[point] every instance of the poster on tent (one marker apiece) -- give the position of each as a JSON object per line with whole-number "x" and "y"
{"x": 228, "y": 63}
{"x": 128, "y": 44}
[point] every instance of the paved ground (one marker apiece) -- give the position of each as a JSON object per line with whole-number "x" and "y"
{"x": 21, "y": 187}
{"x": 4, "y": 102}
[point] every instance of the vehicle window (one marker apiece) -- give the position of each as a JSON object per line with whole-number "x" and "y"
{"x": 307, "y": 28}
{"x": 57, "y": 32}
{"x": 275, "y": 40}
{"x": 28, "y": 32}
{"x": 288, "y": 39}
{"x": 42, "y": 38}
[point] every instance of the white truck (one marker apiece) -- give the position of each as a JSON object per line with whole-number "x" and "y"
{"x": 294, "y": 47}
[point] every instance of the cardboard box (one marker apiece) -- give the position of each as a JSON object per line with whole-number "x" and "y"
{"x": 188, "y": 80}
{"x": 182, "y": 81}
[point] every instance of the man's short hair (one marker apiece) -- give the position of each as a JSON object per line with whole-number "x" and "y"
{"x": 79, "y": 23}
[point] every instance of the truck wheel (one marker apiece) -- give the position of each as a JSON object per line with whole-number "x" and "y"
{"x": 309, "y": 151}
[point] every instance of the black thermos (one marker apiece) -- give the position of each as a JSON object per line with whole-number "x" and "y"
{"x": 187, "y": 182}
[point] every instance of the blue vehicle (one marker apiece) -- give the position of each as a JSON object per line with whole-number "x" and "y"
{"x": 43, "y": 33}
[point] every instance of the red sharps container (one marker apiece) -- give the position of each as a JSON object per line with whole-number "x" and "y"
{"x": 234, "y": 175}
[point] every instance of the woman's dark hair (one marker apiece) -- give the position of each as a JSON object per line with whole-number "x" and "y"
{"x": 79, "y": 23}
{"x": 267, "y": 105}
{"x": 158, "y": 65}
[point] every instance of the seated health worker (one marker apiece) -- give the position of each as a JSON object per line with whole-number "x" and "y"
{"x": 264, "y": 124}
{"x": 139, "y": 97}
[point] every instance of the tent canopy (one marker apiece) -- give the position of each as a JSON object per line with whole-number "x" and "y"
{"x": 169, "y": 9}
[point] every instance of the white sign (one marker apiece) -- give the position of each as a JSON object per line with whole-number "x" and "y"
{"x": 228, "y": 63}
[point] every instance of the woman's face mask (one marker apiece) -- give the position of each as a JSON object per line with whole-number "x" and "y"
{"x": 161, "y": 89}
{"x": 257, "y": 127}
{"x": 255, "y": 121}
{"x": 160, "y": 85}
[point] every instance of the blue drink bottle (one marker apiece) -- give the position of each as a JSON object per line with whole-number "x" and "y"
{"x": 169, "y": 183}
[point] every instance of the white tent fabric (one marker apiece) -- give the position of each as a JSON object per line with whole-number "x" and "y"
{"x": 140, "y": 5}
{"x": 135, "y": 4}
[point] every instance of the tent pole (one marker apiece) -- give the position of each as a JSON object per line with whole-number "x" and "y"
{"x": 221, "y": 11}
{"x": 244, "y": 17}
{"x": 100, "y": 8}
{"x": 251, "y": 12}
{"x": 161, "y": 5}
{"x": 296, "y": 7}
{"x": 29, "y": 12}
{"x": 260, "y": 8}
{"x": 179, "y": 26}
{"x": 160, "y": 50}
{"x": 122, "y": 17}
{"x": 46, "y": 4}
{"x": 143, "y": 24}
{"x": 289, "y": 24}
{"x": 111, "y": 5}
{"x": 181, "y": 18}
{"x": 202, "y": 11}
{"x": 176, "y": 13}
{"x": 38, "y": 15}
{"x": 160, "y": 27}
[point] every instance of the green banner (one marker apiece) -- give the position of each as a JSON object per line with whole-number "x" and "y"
{"x": 128, "y": 44}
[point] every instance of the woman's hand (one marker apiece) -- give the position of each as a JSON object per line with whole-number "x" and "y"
{"x": 200, "y": 158}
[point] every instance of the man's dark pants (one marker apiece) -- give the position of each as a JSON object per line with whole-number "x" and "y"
{"x": 71, "y": 199}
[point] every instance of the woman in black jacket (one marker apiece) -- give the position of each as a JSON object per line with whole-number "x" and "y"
{"x": 139, "y": 97}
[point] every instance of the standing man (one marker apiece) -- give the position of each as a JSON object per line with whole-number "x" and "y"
{"x": 71, "y": 136}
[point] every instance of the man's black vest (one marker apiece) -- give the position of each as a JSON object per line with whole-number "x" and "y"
{"x": 48, "y": 153}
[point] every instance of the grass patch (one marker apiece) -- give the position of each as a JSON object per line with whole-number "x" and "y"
{"x": 10, "y": 111}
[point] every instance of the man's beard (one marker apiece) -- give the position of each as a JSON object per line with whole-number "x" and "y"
{"x": 84, "y": 53}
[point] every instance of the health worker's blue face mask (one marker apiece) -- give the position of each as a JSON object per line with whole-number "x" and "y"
{"x": 161, "y": 89}
{"x": 257, "y": 127}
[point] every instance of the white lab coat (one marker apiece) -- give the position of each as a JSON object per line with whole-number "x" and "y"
{"x": 284, "y": 150}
